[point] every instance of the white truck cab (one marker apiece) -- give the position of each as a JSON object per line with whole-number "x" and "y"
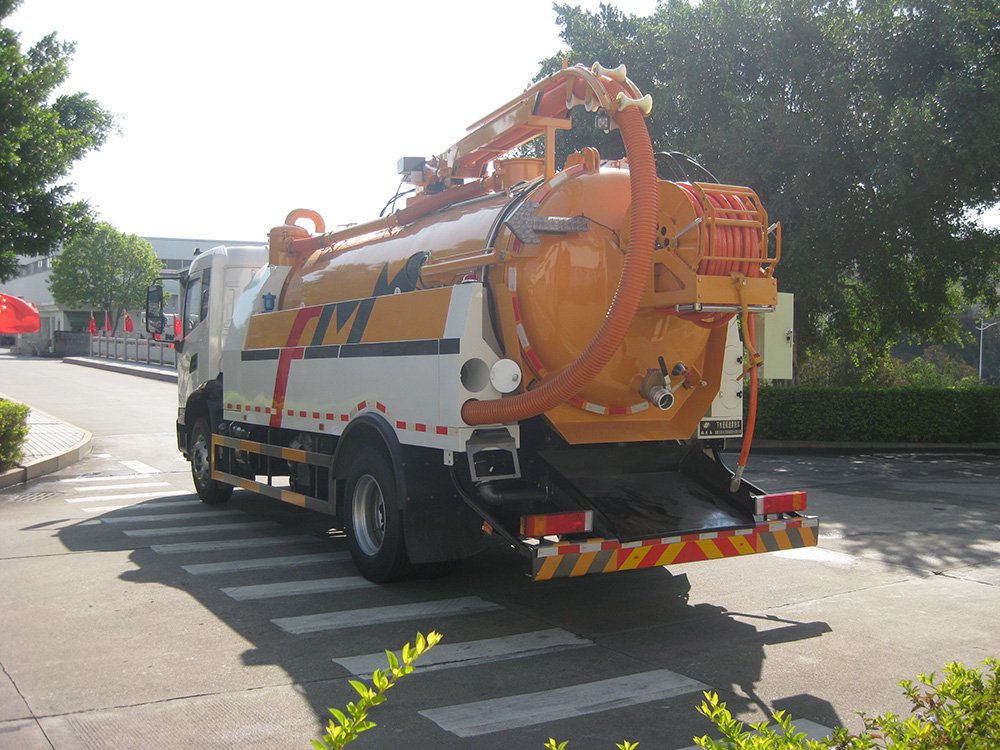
{"x": 209, "y": 290}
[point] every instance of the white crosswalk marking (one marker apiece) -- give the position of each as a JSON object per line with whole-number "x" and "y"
{"x": 158, "y": 517}
{"x": 176, "y": 548}
{"x": 103, "y": 478}
{"x": 486, "y": 717}
{"x": 129, "y": 486}
{"x": 358, "y": 618}
{"x": 204, "y": 529}
{"x": 125, "y": 496}
{"x": 298, "y": 588}
{"x": 140, "y": 468}
{"x": 265, "y": 563}
{"x": 449, "y": 655}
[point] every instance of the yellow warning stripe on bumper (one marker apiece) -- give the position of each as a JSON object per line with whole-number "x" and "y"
{"x": 609, "y": 556}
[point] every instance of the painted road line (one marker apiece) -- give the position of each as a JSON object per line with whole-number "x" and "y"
{"x": 359, "y": 618}
{"x": 140, "y": 468}
{"x": 103, "y": 478}
{"x": 167, "y": 503}
{"x": 498, "y": 714}
{"x": 129, "y": 486}
{"x": 469, "y": 653}
{"x": 204, "y": 529}
{"x": 811, "y": 729}
{"x": 160, "y": 517}
{"x": 147, "y": 505}
{"x": 299, "y": 588}
{"x": 817, "y": 554}
{"x": 105, "y": 508}
{"x": 125, "y": 496}
{"x": 265, "y": 563}
{"x": 176, "y": 548}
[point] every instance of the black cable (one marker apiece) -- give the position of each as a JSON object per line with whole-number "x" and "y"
{"x": 396, "y": 197}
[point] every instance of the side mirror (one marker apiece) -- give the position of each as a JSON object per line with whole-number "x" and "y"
{"x": 154, "y": 309}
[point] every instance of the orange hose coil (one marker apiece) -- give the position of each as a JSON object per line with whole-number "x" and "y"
{"x": 638, "y": 261}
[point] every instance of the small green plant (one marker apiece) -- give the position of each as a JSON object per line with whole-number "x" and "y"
{"x": 623, "y": 745}
{"x": 960, "y": 713}
{"x": 344, "y": 728}
{"x": 740, "y": 736}
{"x": 13, "y": 432}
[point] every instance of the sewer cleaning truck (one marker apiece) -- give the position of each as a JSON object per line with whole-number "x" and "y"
{"x": 548, "y": 356}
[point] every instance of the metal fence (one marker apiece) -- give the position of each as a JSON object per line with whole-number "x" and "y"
{"x": 129, "y": 349}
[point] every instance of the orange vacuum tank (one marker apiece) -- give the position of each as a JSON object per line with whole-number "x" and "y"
{"x": 551, "y": 254}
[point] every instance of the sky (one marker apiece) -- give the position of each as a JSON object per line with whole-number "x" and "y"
{"x": 231, "y": 113}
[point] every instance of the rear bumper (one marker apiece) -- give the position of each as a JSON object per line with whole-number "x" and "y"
{"x": 566, "y": 559}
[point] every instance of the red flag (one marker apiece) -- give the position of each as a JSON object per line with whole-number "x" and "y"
{"x": 18, "y": 315}
{"x": 107, "y": 323}
{"x": 177, "y": 327}
{"x": 128, "y": 323}
{"x": 93, "y": 325}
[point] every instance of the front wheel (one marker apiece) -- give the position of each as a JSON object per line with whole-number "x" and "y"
{"x": 200, "y": 453}
{"x": 375, "y": 519}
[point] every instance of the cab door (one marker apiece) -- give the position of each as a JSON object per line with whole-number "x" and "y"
{"x": 193, "y": 365}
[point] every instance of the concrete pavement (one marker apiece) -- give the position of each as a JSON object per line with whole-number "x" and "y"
{"x": 53, "y": 444}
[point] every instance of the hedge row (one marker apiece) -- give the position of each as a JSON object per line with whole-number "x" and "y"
{"x": 879, "y": 415}
{"x": 13, "y": 432}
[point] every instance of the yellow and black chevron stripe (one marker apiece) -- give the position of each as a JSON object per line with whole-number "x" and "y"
{"x": 561, "y": 560}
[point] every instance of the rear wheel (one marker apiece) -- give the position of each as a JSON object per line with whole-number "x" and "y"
{"x": 375, "y": 519}
{"x": 200, "y": 453}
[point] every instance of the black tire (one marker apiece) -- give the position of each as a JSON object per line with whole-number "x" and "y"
{"x": 210, "y": 491}
{"x": 374, "y": 519}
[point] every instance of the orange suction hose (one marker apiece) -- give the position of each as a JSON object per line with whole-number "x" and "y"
{"x": 638, "y": 260}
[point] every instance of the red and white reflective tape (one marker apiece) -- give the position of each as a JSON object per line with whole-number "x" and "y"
{"x": 323, "y": 418}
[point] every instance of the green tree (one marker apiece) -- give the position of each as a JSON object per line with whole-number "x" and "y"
{"x": 40, "y": 138}
{"x": 107, "y": 269}
{"x": 867, "y": 127}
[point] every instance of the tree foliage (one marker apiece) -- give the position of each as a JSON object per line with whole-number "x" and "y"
{"x": 107, "y": 269}
{"x": 40, "y": 138}
{"x": 867, "y": 127}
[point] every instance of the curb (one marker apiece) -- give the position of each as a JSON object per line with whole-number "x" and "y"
{"x": 42, "y": 466}
{"x": 803, "y": 446}
{"x": 129, "y": 368}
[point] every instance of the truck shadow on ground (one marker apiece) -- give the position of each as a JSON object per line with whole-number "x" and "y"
{"x": 633, "y": 622}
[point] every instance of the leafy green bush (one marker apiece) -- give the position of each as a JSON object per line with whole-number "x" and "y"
{"x": 960, "y": 713}
{"x": 13, "y": 433}
{"x": 879, "y": 415}
{"x": 344, "y": 728}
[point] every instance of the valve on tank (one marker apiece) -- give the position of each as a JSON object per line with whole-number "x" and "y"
{"x": 655, "y": 387}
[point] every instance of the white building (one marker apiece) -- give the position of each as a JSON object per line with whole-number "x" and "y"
{"x": 33, "y": 284}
